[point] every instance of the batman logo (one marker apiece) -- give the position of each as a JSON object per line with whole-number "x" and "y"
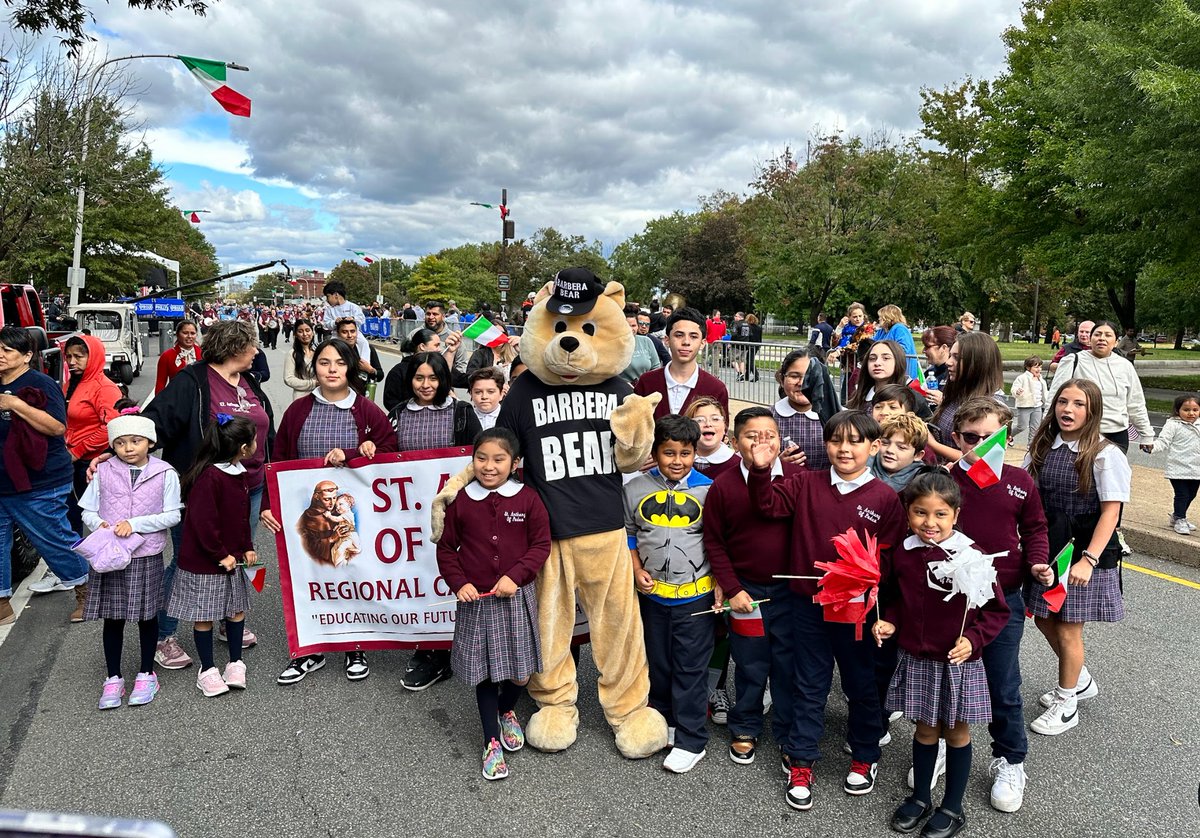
{"x": 670, "y": 509}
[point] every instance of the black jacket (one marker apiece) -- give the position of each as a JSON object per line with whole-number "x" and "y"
{"x": 181, "y": 413}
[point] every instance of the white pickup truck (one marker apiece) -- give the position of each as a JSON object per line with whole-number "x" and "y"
{"x": 118, "y": 327}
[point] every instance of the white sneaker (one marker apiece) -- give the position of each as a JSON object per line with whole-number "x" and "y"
{"x": 1181, "y": 527}
{"x": 885, "y": 740}
{"x": 1061, "y": 716}
{"x": 49, "y": 584}
{"x": 939, "y": 767}
{"x": 767, "y": 701}
{"x": 1090, "y": 691}
{"x": 896, "y": 714}
{"x": 680, "y": 761}
{"x": 1008, "y": 784}
{"x": 1191, "y": 526}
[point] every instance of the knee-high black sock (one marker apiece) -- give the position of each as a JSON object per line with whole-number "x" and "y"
{"x": 234, "y": 631}
{"x": 924, "y": 760}
{"x": 958, "y": 774}
{"x": 204, "y": 647}
{"x": 510, "y": 694}
{"x": 114, "y": 636}
{"x": 148, "y": 640}
{"x": 488, "y": 696}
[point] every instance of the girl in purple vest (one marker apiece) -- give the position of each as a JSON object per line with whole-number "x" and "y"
{"x": 131, "y": 493}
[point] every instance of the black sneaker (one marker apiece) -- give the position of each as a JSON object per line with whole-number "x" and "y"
{"x": 356, "y": 666}
{"x": 425, "y": 669}
{"x": 297, "y": 668}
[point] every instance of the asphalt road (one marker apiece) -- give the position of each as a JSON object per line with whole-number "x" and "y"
{"x": 330, "y": 757}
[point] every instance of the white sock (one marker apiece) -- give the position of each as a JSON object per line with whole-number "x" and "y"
{"x": 1065, "y": 693}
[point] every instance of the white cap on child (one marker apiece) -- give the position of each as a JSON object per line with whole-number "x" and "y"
{"x": 131, "y": 423}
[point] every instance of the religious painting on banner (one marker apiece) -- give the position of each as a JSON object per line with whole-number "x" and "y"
{"x": 356, "y": 566}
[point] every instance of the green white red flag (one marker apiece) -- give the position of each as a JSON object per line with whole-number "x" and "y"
{"x": 483, "y": 332}
{"x": 986, "y": 470}
{"x": 370, "y": 260}
{"x": 1056, "y": 595}
{"x": 256, "y": 575}
{"x": 211, "y": 74}
{"x": 747, "y": 625}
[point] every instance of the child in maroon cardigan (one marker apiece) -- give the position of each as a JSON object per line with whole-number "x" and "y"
{"x": 822, "y": 505}
{"x": 496, "y": 539}
{"x": 216, "y": 538}
{"x": 940, "y": 681}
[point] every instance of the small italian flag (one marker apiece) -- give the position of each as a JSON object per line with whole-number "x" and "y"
{"x": 483, "y": 332}
{"x": 256, "y": 575}
{"x": 918, "y": 383}
{"x": 747, "y": 625}
{"x": 1057, "y": 595}
{"x": 986, "y": 470}
{"x": 370, "y": 260}
{"x": 212, "y": 75}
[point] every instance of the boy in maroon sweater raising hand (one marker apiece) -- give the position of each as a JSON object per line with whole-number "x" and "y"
{"x": 823, "y": 505}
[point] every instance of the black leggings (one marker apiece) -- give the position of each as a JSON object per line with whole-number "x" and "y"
{"x": 1185, "y": 493}
{"x": 494, "y": 701}
{"x": 114, "y": 637}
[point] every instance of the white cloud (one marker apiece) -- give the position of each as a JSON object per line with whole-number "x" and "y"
{"x": 597, "y": 117}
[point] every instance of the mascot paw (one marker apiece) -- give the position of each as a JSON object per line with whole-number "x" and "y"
{"x": 643, "y": 733}
{"x": 632, "y": 426}
{"x": 553, "y": 728}
{"x": 437, "y": 512}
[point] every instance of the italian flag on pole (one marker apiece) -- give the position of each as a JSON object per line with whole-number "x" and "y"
{"x": 986, "y": 470}
{"x": 483, "y": 332}
{"x": 370, "y": 260}
{"x": 212, "y": 75}
{"x": 1057, "y": 595}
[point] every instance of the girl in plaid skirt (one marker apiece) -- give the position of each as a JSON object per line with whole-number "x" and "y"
{"x": 1084, "y": 481}
{"x": 216, "y": 538}
{"x": 131, "y": 493}
{"x": 496, "y": 539}
{"x": 940, "y": 682}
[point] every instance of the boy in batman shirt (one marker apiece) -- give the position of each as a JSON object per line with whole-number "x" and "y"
{"x": 663, "y": 508}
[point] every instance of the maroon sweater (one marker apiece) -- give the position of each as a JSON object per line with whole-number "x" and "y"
{"x": 494, "y": 537}
{"x": 820, "y": 512}
{"x": 740, "y": 543}
{"x": 216, "y": 522}
{"x": 654, "y": 381}
{"x": 927, "y": 625}
{"x": 1005, "y": 516}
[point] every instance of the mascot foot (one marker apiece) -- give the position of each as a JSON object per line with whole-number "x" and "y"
{"x": 641, "y": 734}
{"x": 553, "y": 728}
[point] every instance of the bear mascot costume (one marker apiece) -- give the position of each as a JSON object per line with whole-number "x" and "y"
{"x": 580, "y": 426}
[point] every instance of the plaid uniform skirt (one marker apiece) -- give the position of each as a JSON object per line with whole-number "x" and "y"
{"x": 203, "y": 597}
{"x": 134, "y": 593}
{"x": 1099, "y": 601}
{"x": 940, "y": 692}
{"x": 497, "y": 639}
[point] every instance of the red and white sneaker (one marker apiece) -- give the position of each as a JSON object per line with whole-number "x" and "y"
{"x": 799, "y": 791}
{"x": 861, "y": 779}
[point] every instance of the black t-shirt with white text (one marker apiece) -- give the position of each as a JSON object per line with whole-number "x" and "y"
{"x": 567, "y": 445}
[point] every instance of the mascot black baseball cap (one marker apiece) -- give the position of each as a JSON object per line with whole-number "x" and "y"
{"x": 575, "y": 291}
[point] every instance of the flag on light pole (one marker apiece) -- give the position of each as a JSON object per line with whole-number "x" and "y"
{"x": 211, "y": 74}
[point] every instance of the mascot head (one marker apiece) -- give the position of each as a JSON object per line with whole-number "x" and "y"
{"x": 576, "y": 332}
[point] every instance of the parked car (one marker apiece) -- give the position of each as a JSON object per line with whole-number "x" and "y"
{"x": 117, "y": 326}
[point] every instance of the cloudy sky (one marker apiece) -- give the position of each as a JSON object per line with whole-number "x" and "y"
{"x": 376, "y": 122}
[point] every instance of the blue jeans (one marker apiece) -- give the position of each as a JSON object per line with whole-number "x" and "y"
{"x": 1002, "y": 662}
{"x": 678, "y": 647}
{"x": 817, "y": 645}
{"x": 760, "y": 658}
{"x": 42, "y": 514}
{"x": 168, "y": 625}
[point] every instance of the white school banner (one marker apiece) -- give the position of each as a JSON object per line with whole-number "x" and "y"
{"x": 357, "y": 568}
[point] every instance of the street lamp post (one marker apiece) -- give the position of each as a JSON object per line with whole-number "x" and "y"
{"x": 76, "y": 275}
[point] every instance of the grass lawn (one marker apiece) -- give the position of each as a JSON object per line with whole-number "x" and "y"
{"x": 1160, "y": 405}
{"x": 1184, "y": 383}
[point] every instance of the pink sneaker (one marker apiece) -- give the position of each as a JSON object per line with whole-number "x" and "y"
{"x": 249, "y": 638}
{"x": 145, "y": 687}
{"x": 170, "y": 655}
{"x": 209, "y": 682}
{"x": 114, "y": 691}
{"x": 235, "y": 675}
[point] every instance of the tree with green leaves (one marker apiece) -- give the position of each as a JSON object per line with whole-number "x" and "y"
{"x": 360, "y": 281}
{"x": 710, "y": 271}
{"x": 69, "y": 17}
{"x": 643, "y": 263}
{"x": 433, "y": 278}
